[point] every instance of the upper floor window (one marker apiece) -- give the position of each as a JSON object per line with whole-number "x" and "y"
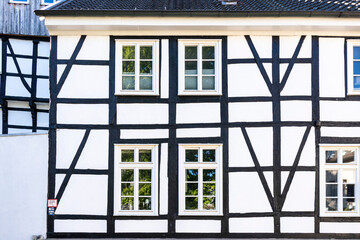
{"x": 353, "y": 48}
{"x": 137, "y": 67}
{"x": 47, "y": 2}
{"x": 19, "y": 1}
{"x": 199, "y": 67}
{"x": 339, "y": 181}
{"x": 136, "y": 179}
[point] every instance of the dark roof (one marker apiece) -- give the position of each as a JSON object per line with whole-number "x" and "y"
{"x": 205, "y": 6}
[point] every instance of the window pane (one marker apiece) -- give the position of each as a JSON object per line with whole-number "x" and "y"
{"x": 349, "y": 204}
{"x": 356, "y": 67}
{"x": 144, "y": 175}
{"x": 349, "y": 190}
{"x": 208, "y": 53}
{"x": 127, "y": 189}
{"x": 348, "y": 156}
{"x": 356, "y": 52}
{"x": 145, "y": 155}
{"x": 128, "y": 67}
{"x": 191, "y": 155}
{"x": 144, "y": 203}
{"x": 209, "y": 175}
{"x": 190, "y": 83}
{"x": 145, "y": 67}
{"x": 127, "y": 203}
{"x": 191, "y": 203}
{"x": 128, "y": 83}
{"x": 348, "y": 176}
{"x": 191, "y": 189}
{"x": 47, "y": 1}
{"x": 209, "y": 155}
{"x": 191, "y": 174}
{"x": 331, "y": 204}
{"x": 128, "y": 52}
{"x": 208, "y": 67}
{"x": 331, "y": 176}
{"x": 145, "y": 83}
{"x": 209, "y": 189}
{"x": 146, "y": 52}
{"x": 209, "y": 203}
{"x": 357, "y": 82}
{"x": 144, "y": 189}
{"x": 191, "y": 67}
{"x": 331, "y": 190}
{"x": 208, "y": 83}
{"x": 331, "y": 156}
{"x": 127, "y": 155}
{"x": 190, "y": 52}
{"x": 127, "y": 175}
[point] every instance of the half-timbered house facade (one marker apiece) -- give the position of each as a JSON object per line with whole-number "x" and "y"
{"x": 204, "y": 118}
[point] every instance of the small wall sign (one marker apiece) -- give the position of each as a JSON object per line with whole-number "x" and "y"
{"x": 52, "y": 203}
{"x": 51, "y": 211}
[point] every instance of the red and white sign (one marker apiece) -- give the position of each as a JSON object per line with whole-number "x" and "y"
{"x": 52, "y": 203}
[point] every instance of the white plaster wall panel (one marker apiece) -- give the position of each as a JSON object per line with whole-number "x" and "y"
{"x": 18, "y": 104}
{"x": 340, "y": 131}
{"x": 25, "y": 65}
{"x": 142, "y": 113}
{"x": 14, "y": 87}
{"x": 137, "y": 226}
{"x": 290, "y": 142}
{"x": 21, "y": 118}
{"x": 163, "y": 208}
{"x": 250, "y": 112}
{"x": 198, "y": 226}
{"x": 288, "y": 45}
{"x": 23, "y": 184}
{"x": 95, "y": 48}
{"x": 331, "y": 67}
{"x": 198, "y": 132}
{"x": 284, "y": 177}
{"x": 338, "y": 227}
{"x": 297, "y": 225}
{"x": 66, "y": 46}
{"x": 246, "y": 193}
{"x": 42, "y": 68}
{"x": 19, "y": 131}
{"x": 300, "y": 198}
{"x": 144, "y": 133}
{"x": 299, "y": 80}
{"x": 43, "y": 106}
{"x": 60, "y": 70}
{"x": 339, "y": 111}
{"x": 198, "y": 113}
{"x": 44, "y": 49}
{"x": 262, "y": 142}
{"x": 42, "y": 88}
{"x": 67, "y": 143}
{"x": 82, "y": 113}
{"x": 251, "y": 225}
{"x": 86, "y": 82}
{"x": 95, "y": 152}
{"x": 59, "y": 178}
{"x": 308, "y": 157}
{"x": 245, "y": 80}
{"x": 84, "y": 194}
{"x": 263, "y": 45}
{"x": 164, "y": 81}
{"x": 238, "y": 48}
{"x": 22, "y": 47}
{"x": 296, "y": 111}
{"x": 42, "y": 119}
{"x": 87, "y": 226}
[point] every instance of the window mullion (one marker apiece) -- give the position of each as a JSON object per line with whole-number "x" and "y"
{"x": 137, "y": 67}
{"x": 200, "y": 189}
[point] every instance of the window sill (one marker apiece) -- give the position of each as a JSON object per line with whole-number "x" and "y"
{"x": 137, "y": 93}
{"x": 136, "y": 213}
{"x": 200, "y": 93}
{"x": 340, "y": 214}
{"x": 198, "y": 213}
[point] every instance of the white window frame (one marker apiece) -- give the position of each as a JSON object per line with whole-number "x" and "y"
{"x": 136, "y": 165}
{"x": 19, "y": 2}
{"x": 182, "y": 43}
{"x": 339, "y": 166}
{"x": 201, "y": 165}
{"x": 119, "y": 43}
{"x": 350, "y": 68}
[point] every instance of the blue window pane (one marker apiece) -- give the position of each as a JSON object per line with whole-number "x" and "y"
{"x": 357, "y": 83}
{"x": 19, "y": 1}
{"x": 48, "y": 1}
{"x": 356, "y": 52}
{"x": 356, "y": 67}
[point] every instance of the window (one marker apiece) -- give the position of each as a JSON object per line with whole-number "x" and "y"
{"x": 340, "y": 181}
{"x": 199, "y": 67}
{"x": 137, "y": 67}
{"x": 47, "y": 2}
{"x": 200, "y": 180}
{"x": 19, "y": 1}
{"x": 353, "y": 62}
{"x": 136, "y": 179}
